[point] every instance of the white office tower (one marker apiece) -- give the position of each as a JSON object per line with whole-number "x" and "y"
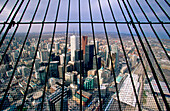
{"x": 37, "y": 64}
{"x": 57, "y": 46}
{"x": 62, "y": 56}
{"x": 74, "y": 41}
{"x": 48, "y": 46}
{"x": 107, "y": 55}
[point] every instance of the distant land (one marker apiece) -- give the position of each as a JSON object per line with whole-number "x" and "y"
{"x": 46, "y": 35}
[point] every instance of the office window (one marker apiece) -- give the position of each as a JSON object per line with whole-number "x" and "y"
{"x": 84, "y": 55}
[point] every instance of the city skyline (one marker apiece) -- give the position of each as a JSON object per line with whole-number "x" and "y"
{"x": 85, "y": 16}
{"x": 89, "y": 55}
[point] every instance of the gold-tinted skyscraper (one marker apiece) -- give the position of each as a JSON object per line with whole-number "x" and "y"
{"x": 84, "y": 43}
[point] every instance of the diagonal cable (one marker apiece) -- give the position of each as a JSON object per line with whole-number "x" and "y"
{"x": 46, "y": 77}
{"x": 11, "y": 23}
{"x": 150, "y": 47}
{"x": 127, "y": 63}
{"x": 153, "y": 30}
{"x": 29, "y": 79}
{"x": 9, "y": 84}
{"x": 68, "y": 17}
{"x": 9, "y": 16}
{"x": 157, "y": 18}
{"x": 80, "y": 57}
{"x": 98, "y": 81}
{"x": 162, "y": 9}
{"x": 155, "y": 57}
{"x": 160, "y": 70}
{"x": 147, "y": 56}
{"x": 14, "y": 33}
{"x": 142, "y": 63}
{"x": 3, "y": 6}
{"x": 167, "y": 3}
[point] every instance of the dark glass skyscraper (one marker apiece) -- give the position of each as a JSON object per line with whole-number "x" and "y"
{"x": 98, "y": 62}
{"x": 54, "y": 69}
{"x": 78, "y": 56}
{"x": 89, "y": 53}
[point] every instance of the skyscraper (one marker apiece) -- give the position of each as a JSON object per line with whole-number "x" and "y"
{"x": 69, "y": 77}
{"x": 89, "y": 53}
{"x": 107, "y": 55}
{"x": 115, "y": 59}
{"x": 88, "y": 83}
{"x": 61, "y": 70}
{"x": 44, "y": 55}
{"x": 48, "y": 46}
{"x": 62, "y": 56}
{"x": 84, "y": 43}
{"x": 42, "y": 73}
{"x": 98, "y": 62}
{"x": 53, "y": 69}
{"x": 77, "y": 66}
{"x": 54, "y": 99}
{"x": 78, "y": 56}
{"x": 74, "y": 41}
{"x": 57, "y": 47}
{"x": 97, "y": 46}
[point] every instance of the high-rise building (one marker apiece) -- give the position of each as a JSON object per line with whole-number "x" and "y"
{"x": 54, "y": 99}
{"x": 62, "y": 56}
{"x": 77, "y": 66}
{"x": 52, "y": 56}
{"x": 61, "y": 70}
{"x": 86, "y": 97}
{"x": 57, "y": 47}
{"x": 37, "y": 64}
{"x": 89, "y": 83}
{"x": 48, "y": 46}
{"x": 78, "y": 56}
{"x": 97, "y": 46}
{"x": 115, "y": 59}
{"x": 69, "y": 77}
{"x": 42, "y": 74}
{"x": 44, "y": 55}
{"x": 53, "y": 69}
{"x": 89, "y": 53}
{"x": 107, "y": 55}
{"x": 98, "y": 62}
{"x": 84, "y": 43}
{"x": 74, "y": 41}
{"x": 73, "y": 88}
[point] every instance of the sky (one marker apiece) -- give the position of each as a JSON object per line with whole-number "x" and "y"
{"x": 85, "y": 15}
